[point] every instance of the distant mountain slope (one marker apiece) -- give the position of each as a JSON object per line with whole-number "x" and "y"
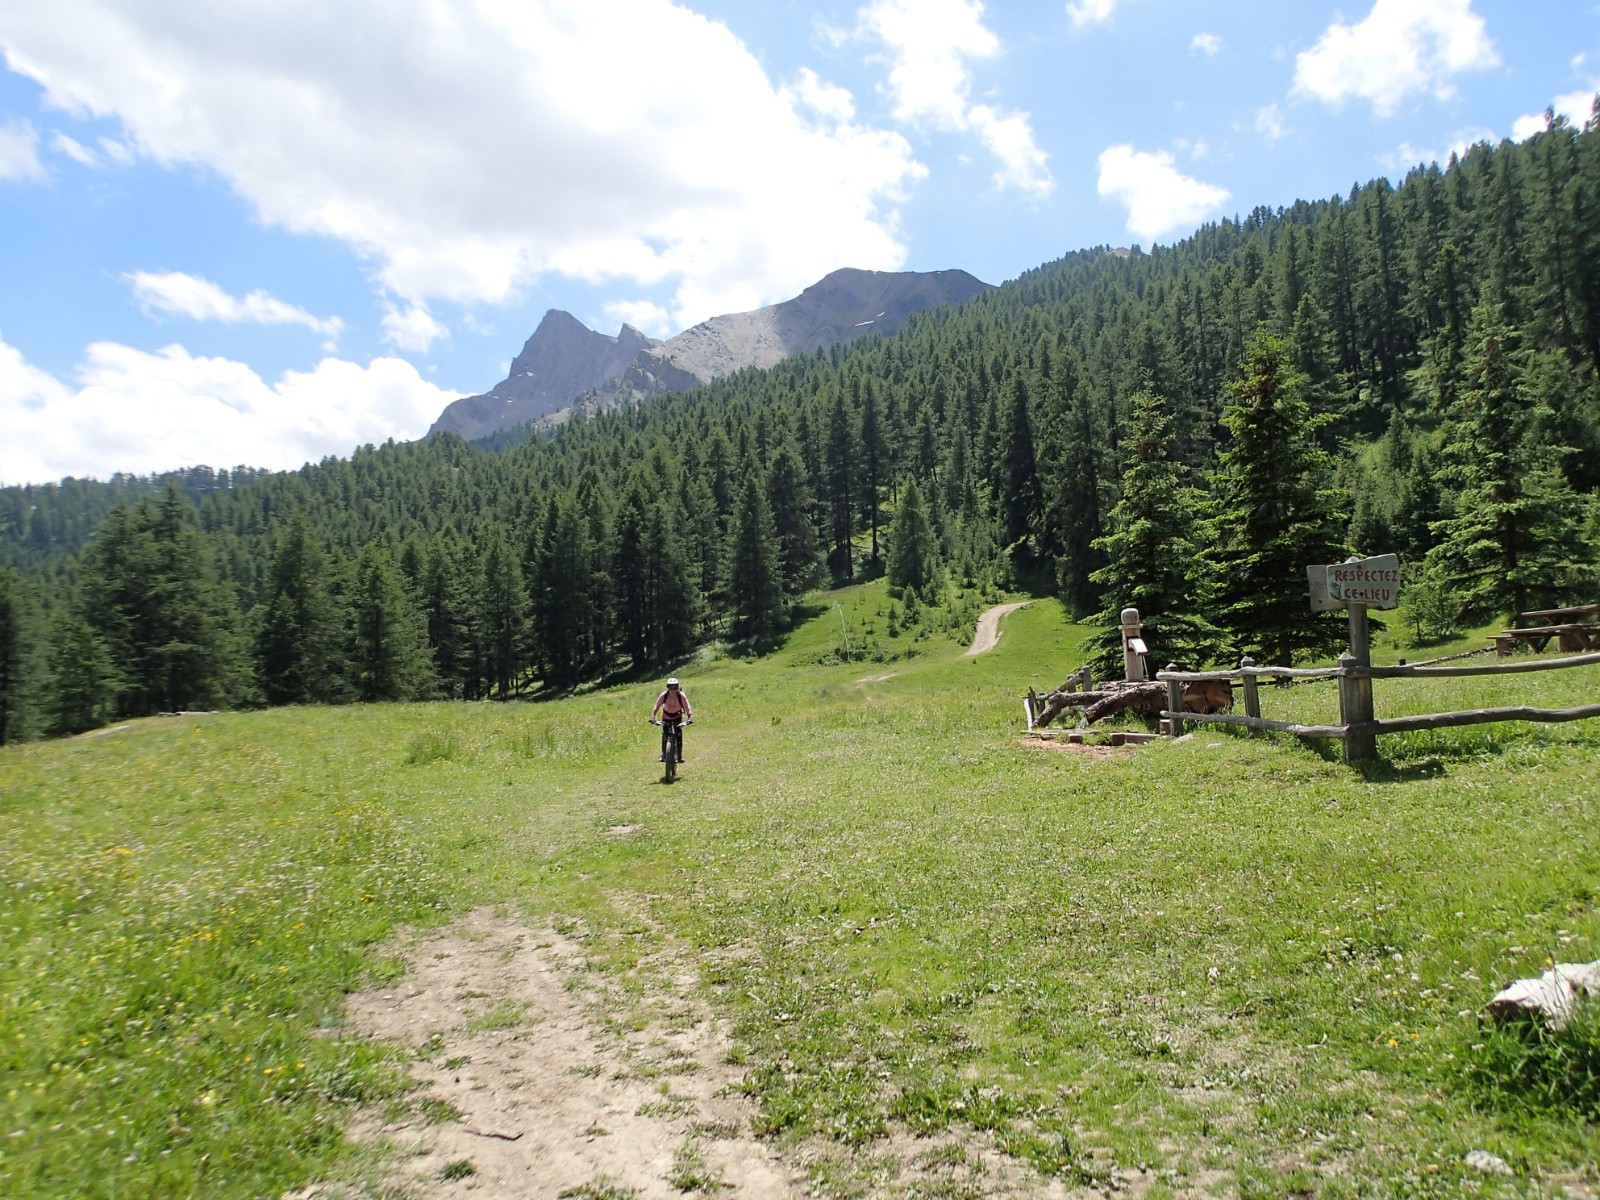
{"x": 565, "y": 360}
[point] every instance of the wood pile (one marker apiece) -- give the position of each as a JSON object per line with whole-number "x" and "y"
{"x": 1147, "y": 698}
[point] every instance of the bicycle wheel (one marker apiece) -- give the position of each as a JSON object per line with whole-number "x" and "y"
{"x": 671, "y": 741}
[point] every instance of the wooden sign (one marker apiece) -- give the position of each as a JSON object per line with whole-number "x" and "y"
{"x": 1369, "y": 582}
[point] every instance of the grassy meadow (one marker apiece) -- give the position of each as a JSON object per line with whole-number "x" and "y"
{"x": 1235, "y": 961}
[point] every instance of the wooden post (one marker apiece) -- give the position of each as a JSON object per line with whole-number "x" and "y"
{"x": 1252, "y": 697}
{"x": 1085, "y": 679}
{"x": 1174, "y": 703}
{"x": 1132, "y": 660}
{"x": 1358, "y": 746}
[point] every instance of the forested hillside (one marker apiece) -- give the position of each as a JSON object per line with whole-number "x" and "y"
{"x": 1406, "y": 369}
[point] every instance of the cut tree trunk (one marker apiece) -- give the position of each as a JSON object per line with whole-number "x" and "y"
{"x": 1147, "y": 698}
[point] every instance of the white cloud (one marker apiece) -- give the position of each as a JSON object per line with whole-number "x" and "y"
{"x": 1406, "y": 155}
{"x": 825, "y": 99}
{"x": 201, "y": 300}
{"x": 470, "y": 146}
{"x": 1522, "y": 128}
{"x": 130, "y": 410}
{"x": 73, "y": 149}
{"x": 1269, "y": 123}
{"x": 648, "y": 317}
{"x": 412, "y": 328}
{"x": 1576, "y": 107}
{"x": 1009, "y": 137}
{"x": 1160, "y": 199}
{"x": 1090, "y": 12}
{"x": 931, "y": 43}
{"x": 1207, "y": 43}
{"x": 1401, "y": 47}
{"x": 19, "y": 152}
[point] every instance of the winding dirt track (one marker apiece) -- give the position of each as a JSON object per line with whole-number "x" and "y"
{"x": 988, "y": 632}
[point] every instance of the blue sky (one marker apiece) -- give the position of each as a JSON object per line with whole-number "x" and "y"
{"x": 270, "y": 230}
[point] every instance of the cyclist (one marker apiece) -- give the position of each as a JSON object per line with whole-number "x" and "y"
{"x": 672, "y": 706}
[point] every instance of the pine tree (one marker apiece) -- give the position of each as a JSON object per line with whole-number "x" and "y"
{"x": 630, "y": 571}
{"x": 152, "y": 594}
{"x": 1153, "y": 552}
{"x": 390, "y": 652}
{"x": 874, "y": 448}
{"x": 913, "y": 555}
{"x": 1276, "y": 512}
{"x": 1018, "y": 468}
{"x": 791, "y": 519}
{"x": 446, "y": 609}
{"x": 673, "y": 598}
{"x": 21, "y": 663}
{"x": 301, "y": 647}
{"x": 841, "y": 467}
{"x": 84, "y": 678}
{"x": 562, "y": 593}
{"x": 755, "y": 586}
{"x": 1516, "y": 538}
{"x": 502, "y": 618}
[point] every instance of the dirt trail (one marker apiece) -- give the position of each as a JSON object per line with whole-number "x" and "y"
{"x": 549, "y": 1102}
{"x": 988, "y": 633}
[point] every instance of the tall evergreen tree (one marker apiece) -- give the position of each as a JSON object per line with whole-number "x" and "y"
{"x": 302, "y": 644}
{"x": 390, "y": 652}
{"x": 1153, "y": 552}
{"x": 152, "y": 593}
{"x": 84, "y": 684}
{"x": 1276, "y": 512}
{"x": 841, "y": 463}
{"x": 792, "y": 504}
{"x": 913, "y": 553}
{"x": 1018, "y": 479}
{"x": 21, "y": 661}
{"x": 1516, "y": 538}
{"x": 562, "y": 593}
{"x": 502, "y": 613}
{"x": 447, "y": 612}
{"x": 755, "y": 585}
{"x": 874, "y": 471}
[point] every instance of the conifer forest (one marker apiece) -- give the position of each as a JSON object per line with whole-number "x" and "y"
{"x": 1407, "y": 369}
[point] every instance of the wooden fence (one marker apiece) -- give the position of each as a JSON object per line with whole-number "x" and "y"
{"x": 1358, "y": 728}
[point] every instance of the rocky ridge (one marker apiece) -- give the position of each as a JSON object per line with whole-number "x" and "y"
{"x": 565, "y": 362}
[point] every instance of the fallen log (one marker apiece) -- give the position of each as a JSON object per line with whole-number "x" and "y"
{"x": 1147, "y": 698}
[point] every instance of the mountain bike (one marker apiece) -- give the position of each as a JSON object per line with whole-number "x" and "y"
{"x": 671, "y": 745}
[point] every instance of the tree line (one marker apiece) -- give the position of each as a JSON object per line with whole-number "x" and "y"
{"x": 1408, "y": 369}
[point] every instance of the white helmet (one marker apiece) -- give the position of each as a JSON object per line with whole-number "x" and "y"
{"x": 673, "y": 682}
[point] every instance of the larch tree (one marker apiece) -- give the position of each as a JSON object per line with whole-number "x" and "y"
{"x": 1152, "y": 550}
{"x": 1277, "y": 512}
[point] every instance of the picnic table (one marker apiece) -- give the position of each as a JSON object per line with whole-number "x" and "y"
{"x": 1572, "y": 633}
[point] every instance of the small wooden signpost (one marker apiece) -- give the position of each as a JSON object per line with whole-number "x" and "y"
{"x": 1356, "y": 584}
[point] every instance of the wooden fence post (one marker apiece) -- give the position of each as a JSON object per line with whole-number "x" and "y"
{"x": 1355, "y": 708}
{"x": 1174, "y": 703}
{"x": 1252, "y": 697}
{"x": 1364, "y": 745}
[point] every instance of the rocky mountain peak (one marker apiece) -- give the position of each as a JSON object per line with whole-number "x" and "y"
{"x": 565, "y": 359}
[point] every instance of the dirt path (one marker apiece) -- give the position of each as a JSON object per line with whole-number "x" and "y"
{"x": 988, "y": 634}
{"x": 525, "y": 1094}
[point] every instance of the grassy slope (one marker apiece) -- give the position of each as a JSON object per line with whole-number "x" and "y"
{"x": 1220, "y": 954}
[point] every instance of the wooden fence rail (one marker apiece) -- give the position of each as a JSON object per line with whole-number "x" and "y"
{"x": 1357, "y": 728}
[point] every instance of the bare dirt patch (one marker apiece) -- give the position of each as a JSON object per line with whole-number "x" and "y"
{"x": 525, "y": 1092}
{"x": 876, "y": 678}
{"x": 1083, "y": 748}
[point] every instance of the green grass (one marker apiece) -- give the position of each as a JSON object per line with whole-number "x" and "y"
{"x": 1232, "y": 959}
